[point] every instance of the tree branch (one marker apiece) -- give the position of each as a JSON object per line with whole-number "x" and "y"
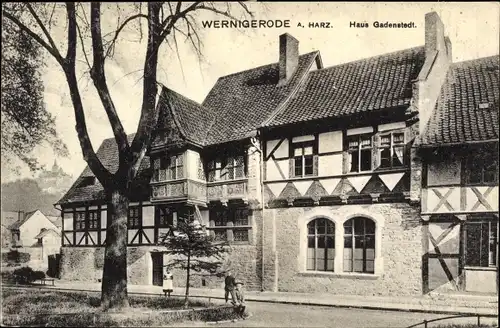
{"x": 42, "y": 26}
{"x": 149, "y": 110}
{"x": 131, "y": 18}
{"x": 35, "y": 36}
{"x": 99, "y": 78}
{"x": 101, "y": 173}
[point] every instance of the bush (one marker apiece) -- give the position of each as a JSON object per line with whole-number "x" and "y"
{"x": 26, "y": 275}
{"x": 17, "y": 257}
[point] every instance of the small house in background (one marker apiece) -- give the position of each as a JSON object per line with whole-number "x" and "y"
{"x": 32, "y": 232}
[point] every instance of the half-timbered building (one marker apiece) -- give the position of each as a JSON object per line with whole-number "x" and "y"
{"x": 321, "y": 179}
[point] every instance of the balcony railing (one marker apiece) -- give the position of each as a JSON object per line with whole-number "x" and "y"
{"x": 227, "y": 190}
{"x": 183, "y": 189}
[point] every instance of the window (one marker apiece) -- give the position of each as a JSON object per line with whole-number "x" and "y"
{"x": 86, "y": 220}
{"x": 93, "y": 219}
{"x": 392, "y": 150}
{"x": 303, "y": 159}
{"x": 175, "y": 168}
{"x": 80, "y": 223}
{"x": 134, "y": 217}
{"x": 360, "y": 153}
{"x": 170, "y": 168}
{"x": 230, "y": 223}
{"x": 165, "y": 217}
{"x": 359, "y": 245}
{"x": 481, "y": 243}
{"x": 482, "y": 168}
{"x": 230, "y": 168}
{"x": 320, "y": 245}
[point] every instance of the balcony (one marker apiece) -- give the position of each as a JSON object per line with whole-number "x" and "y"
{"x": 227, "y": 190}
{"x": 459, "y": 199}
{"x": 179, "y": 191}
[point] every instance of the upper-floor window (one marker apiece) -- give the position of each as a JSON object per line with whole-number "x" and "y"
{"x": 86, "y": 220}
{"x": 227, "y": 168}
{"x": 169, "y": 168}
{"x": 392, "y": 150}
{"x": 134, "y": 217}
{"x": 360, "y": 153}
{"x": 303, "y": 159}
{"x": 482, "y": 168}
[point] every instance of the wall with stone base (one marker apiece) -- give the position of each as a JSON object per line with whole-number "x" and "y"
{"x": 400, "y": 250}
{"x": 86, "y": 264}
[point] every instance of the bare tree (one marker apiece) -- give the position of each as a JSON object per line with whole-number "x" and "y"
{"x": 165, "y": 21}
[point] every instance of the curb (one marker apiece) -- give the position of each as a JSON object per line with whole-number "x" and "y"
{"x": 274, "y": 301}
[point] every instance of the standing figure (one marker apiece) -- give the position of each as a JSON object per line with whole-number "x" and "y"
{"x": 168, "y": 285}
{"x": 229, "y": 287}
{"x": 240, "y": 304}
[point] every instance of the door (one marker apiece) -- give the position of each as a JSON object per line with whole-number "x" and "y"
{"x": 157, "y": 258}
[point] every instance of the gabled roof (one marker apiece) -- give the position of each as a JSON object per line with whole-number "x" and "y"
{"x": 370, "y": 84}
{"x": 243, "y": 101}
{"x": 235, "y": 107}
{"x": 190, "y": 118}
{"x": 82, "y": 190}
{"x": 45, "y": 232}
{"x": 467, "y": 109}
{"x": 17, "y": 224}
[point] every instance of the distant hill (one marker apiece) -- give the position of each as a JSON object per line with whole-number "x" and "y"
{"x": 39, "y": 193}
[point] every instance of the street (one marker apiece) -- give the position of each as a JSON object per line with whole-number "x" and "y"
{"x": 288, "y": 315}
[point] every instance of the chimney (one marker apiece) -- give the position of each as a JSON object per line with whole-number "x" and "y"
{"x": 434, "y": 33}
{"x": 289, "y": 57}
{"x": 20, "y": 215}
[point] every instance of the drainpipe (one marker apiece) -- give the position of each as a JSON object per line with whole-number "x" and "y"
{"x": 259, "y": 149}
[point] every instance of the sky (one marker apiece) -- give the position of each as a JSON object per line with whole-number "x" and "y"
{"x": 472, "y": 27}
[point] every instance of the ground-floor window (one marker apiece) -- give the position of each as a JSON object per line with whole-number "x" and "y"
{"x": 481, "y": 242}
{"x": 359, "y": 245}
{"x": 320, "y": 245}
{"x": 230, "y": 223}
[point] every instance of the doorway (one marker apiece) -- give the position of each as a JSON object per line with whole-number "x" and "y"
{"x": 157, "y": 258}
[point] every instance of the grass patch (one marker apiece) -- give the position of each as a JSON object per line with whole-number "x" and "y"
{"x": 31, "y": 307}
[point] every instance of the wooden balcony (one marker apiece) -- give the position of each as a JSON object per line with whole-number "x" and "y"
{"x": 179, "y": 191}
{"x": 227, "y": 190}
{"x": 459, "y": 199}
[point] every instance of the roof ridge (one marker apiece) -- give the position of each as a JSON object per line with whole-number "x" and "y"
{"x": 174, "y": 114}
{"x": 470, "y": 61}
{"x": 282, "y": 105}
{"x": 261, "y": 66}
{"x": 367, "y": 59}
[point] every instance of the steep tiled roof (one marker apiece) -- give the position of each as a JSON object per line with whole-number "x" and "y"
{"x": 467, "y": 109}
{"x": 85, "y": 189}
{"x": 369, "y": 84}
{"x": 192, "y": 119}
{"x": 241, "y": 102}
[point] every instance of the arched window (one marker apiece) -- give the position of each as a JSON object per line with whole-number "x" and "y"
{"x": 320, "y": 245}
{"x": 359, "y": 245}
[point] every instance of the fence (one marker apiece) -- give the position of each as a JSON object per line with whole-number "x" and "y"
{"x": 426, "y": 322}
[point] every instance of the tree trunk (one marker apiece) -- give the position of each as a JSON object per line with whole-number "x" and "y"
{"x": 114, "y": 277}
{"x": 188, "y": 275}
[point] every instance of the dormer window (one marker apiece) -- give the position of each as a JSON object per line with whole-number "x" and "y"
{"x": 360, "y": 153}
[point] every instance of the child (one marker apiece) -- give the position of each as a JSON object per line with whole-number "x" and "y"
{"x": 239, "y": 303}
